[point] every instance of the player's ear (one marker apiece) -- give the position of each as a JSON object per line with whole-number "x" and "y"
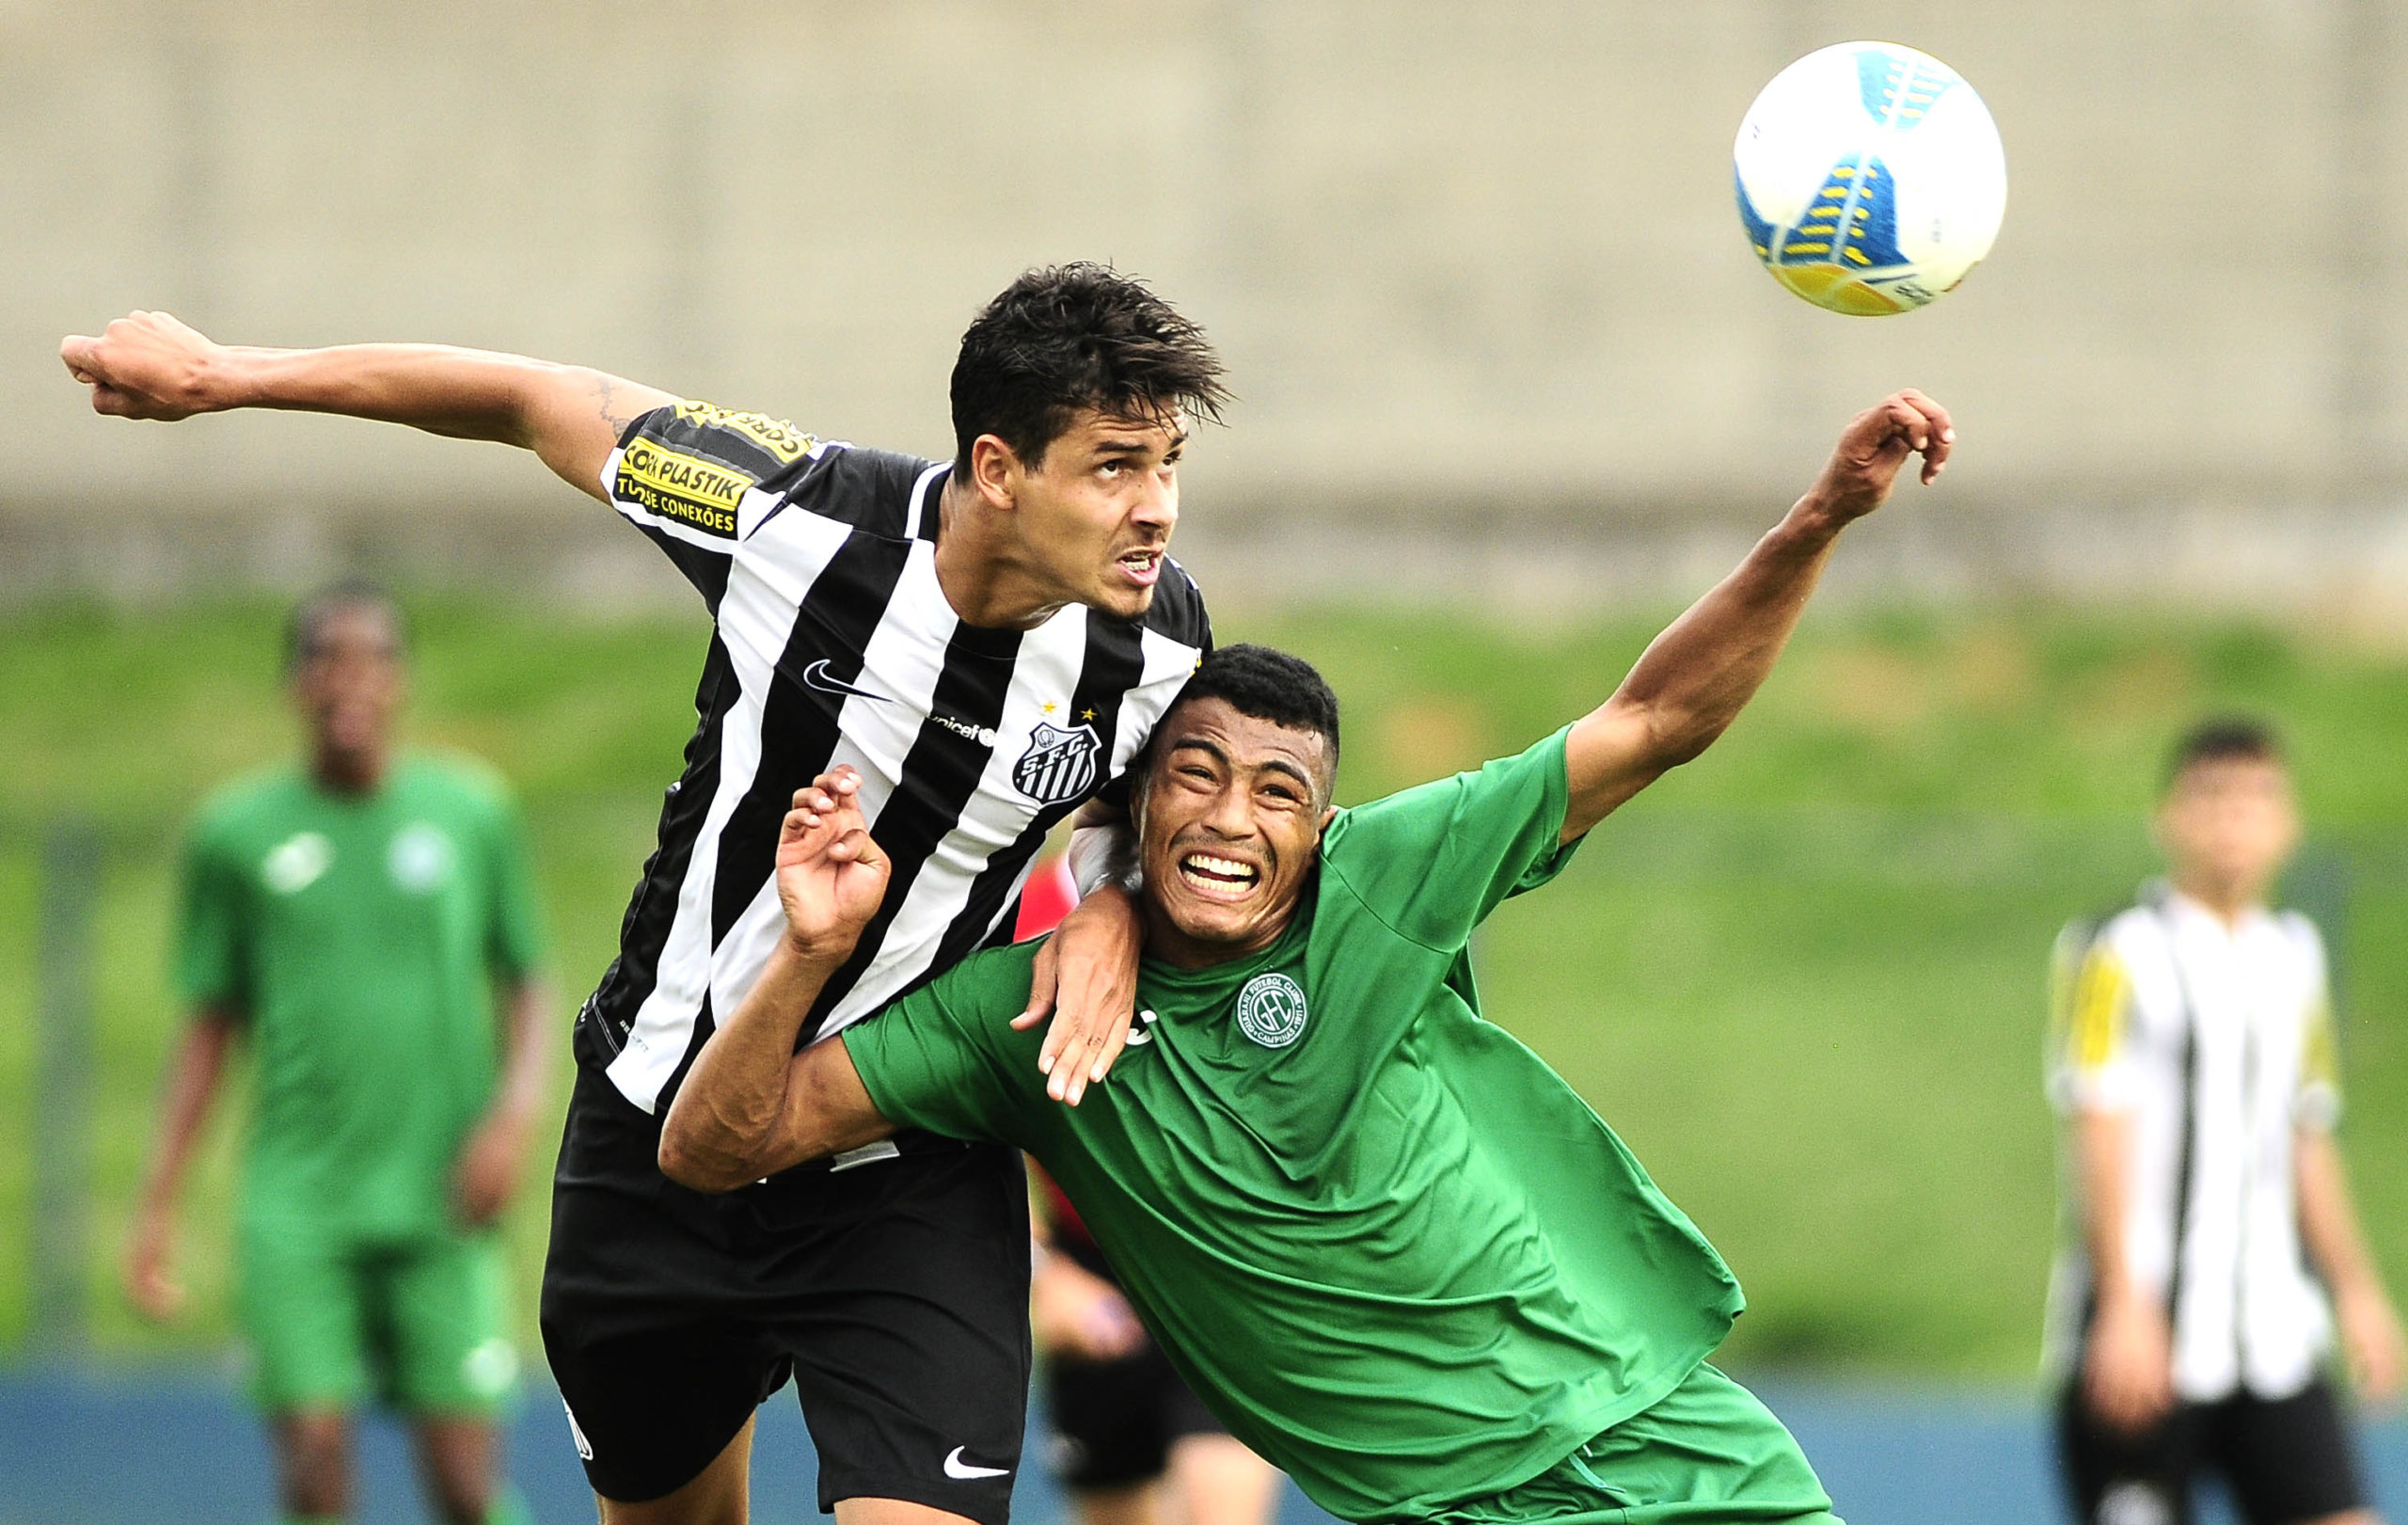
{"x": 995, "y": 468}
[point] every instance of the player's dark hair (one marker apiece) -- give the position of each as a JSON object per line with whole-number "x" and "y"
{"x": 2223, "y": 739}
{"x": 305, "y": 631}
{"x": 1067, "y": 337}
{"x": 1268, "y": 684}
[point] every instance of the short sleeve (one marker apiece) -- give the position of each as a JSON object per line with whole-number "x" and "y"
{"x": 2093, "y": 1066}
{"x": 931, "y": 1061}
{"x": 514, "y": 924}
{"x": 1433, "y": 861}
{"x": 212, "y": 965}
{"x": 2318, "y": 1104}
{"x": 697, "y": 478}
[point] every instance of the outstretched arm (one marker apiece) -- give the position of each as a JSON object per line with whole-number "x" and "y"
{"x": 147, "y": 365}
{"x": 751, "y": 1105}
{"x": 1696, "y": 676}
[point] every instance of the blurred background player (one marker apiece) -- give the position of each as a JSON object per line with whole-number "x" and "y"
{"x": 351, "y": 917}
{"x": 1129, "y": 1439}
{"x": 2196, "y": 1072}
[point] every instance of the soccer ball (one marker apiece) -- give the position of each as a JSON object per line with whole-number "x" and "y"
{"x": 1870, "y": 178}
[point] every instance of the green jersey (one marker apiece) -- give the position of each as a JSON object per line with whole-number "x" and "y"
{"x": 359, "y": 940}
{"x": 1389, "y": 1247}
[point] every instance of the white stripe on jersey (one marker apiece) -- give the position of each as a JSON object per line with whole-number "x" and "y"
{"x": 764, "y": 594}
{"x": 1048, "y": 664}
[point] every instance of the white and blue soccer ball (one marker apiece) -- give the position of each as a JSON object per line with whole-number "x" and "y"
{"x": 1871, "y": 177}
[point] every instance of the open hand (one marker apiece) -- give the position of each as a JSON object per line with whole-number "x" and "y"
{"x": 831, "y": 876}
{"x": 146, "y": 365}
{"x": 1876, "y": 443}
{"x": 1085, "y": 977}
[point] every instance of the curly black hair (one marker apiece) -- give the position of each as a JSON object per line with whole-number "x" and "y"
{"x": 1267, "y": 684}
{"x": 1067, "y": 337}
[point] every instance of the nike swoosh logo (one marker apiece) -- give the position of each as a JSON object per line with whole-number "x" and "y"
{"x": 815, "y": 677}
{"x": 956, "y": 1467}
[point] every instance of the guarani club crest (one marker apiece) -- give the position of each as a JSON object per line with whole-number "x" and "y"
{"x": 1058, "y": 765}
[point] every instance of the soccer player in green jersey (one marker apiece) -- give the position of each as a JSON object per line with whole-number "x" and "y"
{"x": 349, "y": 918}
{"x": 1384, "y": 1241}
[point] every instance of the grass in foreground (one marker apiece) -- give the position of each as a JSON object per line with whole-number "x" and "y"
{"x": 1802, "y": 977}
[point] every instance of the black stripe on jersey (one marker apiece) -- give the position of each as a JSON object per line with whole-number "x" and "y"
{"x": 1177, "y": 609}
{"x": 799, "y": 723}
{"x": 930, "y": 512}
{"x": 704, "y": 568}
{"x": 1114, "y": 661}
{"x": 629, "y": 982}
{"x": 869, "y": 489}
{"x": 939, "y": 777}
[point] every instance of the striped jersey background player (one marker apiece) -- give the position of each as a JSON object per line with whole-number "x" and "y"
{"x": 2217, "y": 1044}
{"x": 833, "y": 643}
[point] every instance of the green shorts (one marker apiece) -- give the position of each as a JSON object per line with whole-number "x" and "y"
{"x": 1707, "y": 1453}
{"x": 418, "y": 1321}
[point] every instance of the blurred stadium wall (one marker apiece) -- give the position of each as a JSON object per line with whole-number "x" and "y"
{"x": 1475, "y": 266}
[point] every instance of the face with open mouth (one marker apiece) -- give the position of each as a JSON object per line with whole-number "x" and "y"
{"x": 1229, "y": 825}
{"x": 1098, "y": 506}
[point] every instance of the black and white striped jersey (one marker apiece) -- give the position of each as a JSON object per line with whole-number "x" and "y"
{"x": 832, "y": 645}
{"x": 2216, "y": 1040}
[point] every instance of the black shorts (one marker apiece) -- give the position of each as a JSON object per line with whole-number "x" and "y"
{"x": 1115, "y": 1422}
{"x": 895, "y": 1292}
{"x": 2286, "y": 1459}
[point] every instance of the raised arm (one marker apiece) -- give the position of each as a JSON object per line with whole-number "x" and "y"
{"x": 751, "y": 1105}
{"x": 147, "y": 365}
{"x": 1696, "y": 676}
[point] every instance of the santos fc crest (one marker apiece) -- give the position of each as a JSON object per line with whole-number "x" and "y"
{"x": 1058, "y": 765}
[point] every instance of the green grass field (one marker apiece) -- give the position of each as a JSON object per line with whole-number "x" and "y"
{"x": 1802, "y": 977}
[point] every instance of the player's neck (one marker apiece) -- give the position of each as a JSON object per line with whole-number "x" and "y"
{"x": 986, "y": 575}
{"x": 348, "y": 773}
{"x": 2227, "y": 900}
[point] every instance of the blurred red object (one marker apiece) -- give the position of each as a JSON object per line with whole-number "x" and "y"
{"x": 1048, "y": 897}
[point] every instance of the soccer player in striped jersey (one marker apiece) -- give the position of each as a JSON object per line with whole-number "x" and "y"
{"x": 2213, "y": 1247}
{"x": 988, "y": 642}
{"x": 1394, "y": 1252}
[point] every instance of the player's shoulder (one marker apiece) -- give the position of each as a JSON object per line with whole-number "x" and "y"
{"x": 753, "y": 445}
{"x": 2299, "y": 929}
{"x": 1177, "y": 612}
{"x": 880, "y": 492}
{"x": 990, "y": 985}
{"x": 456, "y": 778}
{"x": 258, "y": 800}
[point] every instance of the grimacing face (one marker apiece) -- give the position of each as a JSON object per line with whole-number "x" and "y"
{"x": 1230, "y": 816}
{"x": 350, "y": 688}
{"x": 1098, "y": 507}
{"x": 2228, "y": 825}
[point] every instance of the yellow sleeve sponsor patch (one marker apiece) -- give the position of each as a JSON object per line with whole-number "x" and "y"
{"x": 782, "y": 440}
{"x": 2102, "y": 998}
{"x": 675, "y": 485}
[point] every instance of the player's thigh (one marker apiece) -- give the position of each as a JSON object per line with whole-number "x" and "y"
{"x": 1105, "y": 1428}
{"x": 719, "y": 1494}
{"x": 1220, "y": 1480}
{"x": 1709, "y": 1449}
{"x": 2291, "y": 1460}
{"x": 2113, "y": 1474}
{"x": 304, "y": 1312}
{"x": 447, "y": 1314}
{"x": 907, "y": 1328}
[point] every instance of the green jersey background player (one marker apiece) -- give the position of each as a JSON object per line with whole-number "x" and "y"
{"x": 349, "y": 917}
{"x": 1391, "y": 1249}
